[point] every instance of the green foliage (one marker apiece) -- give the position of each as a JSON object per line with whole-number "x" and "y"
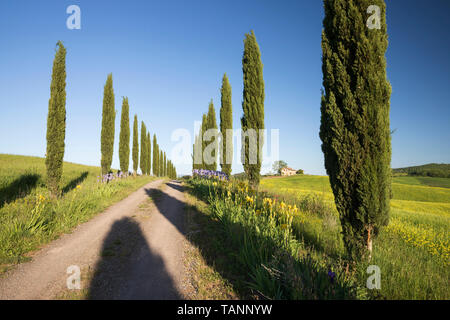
{"x": 355, "y": 120}
{"x": 108, "y": 119}
{"x": 226, "y": 123}
{"x": 124, "y": 138}
{"x": 135, "y": 145}
{"x": 32, "y": 218}
{"x": 253, "y": 107}
{"x": 143, "y": 159}
{"x": 417, "y": 232}
{"x": 276, "y": 264}
{"x": 427, "y": 170}
{"x": 155, "y": 156}
{"x": 56, "y": 121}
{"x": 148, "y": 155}
{"x": 299, "y": 171}
{"x": 164, "y": 164}
{"x": 160, "y": 164}
{"x": 211, "y": 127}
{"x": 278, "y": 165}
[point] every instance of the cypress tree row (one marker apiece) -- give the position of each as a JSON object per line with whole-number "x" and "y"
{"x": 226, "y": 123}
{"x": 56, "y": 121}
{"x": 354, "y": 127}
{"x": 124, "y": 138}
{"x": 211, "y": 125}
{"x": 135, "y": 145}
{"x": 149, "y": 153}
{"x": 253, "y": 107}
{"x": 143, "y": 159}
{"x": 155, "y": 156}
{"x": 108, "y": 118}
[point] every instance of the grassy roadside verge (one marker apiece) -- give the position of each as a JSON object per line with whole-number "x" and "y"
{"x": 29, "y": 218}
{"x": 303, "y": 258}
{"x": 256, "y": 258}
{"x": 213, "y": 271}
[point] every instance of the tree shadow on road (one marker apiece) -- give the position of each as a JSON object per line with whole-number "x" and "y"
{"x": 128, "y": 269}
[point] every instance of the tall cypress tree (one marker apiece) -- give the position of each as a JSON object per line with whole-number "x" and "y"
{"x": 124, "y": 138}
{"x": 108, "y": 118}
{"x": 253, "y": 107}
{"x": 135, "y": 145}
{"x": 354, "y": 127}
{"x": 226, "y": 124}
{"x": 155, "y": 156}
{"x": 211, "y": 125}
{"x": 149, "y": 154}
{"x": 56, "y": 121}
{"x": 165, "y": 164}
{"x": 160, "y": 162}
{"x": 204, "y": 128}
{"x": 143, "y": 160}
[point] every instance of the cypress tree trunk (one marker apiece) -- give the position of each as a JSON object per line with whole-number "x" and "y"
{"x": 155, "y": 152}
{"x": 56, "y": 121}
{"x": 143, "y": 160}
{"x": 149, "y": 153}
{"x": 226, "y": 124}
{"x": 124, "y": 138}
{"x": 135, "y": 145}
{"x": 108, "y": 118}
{"x": 355, "y": 120}
{"x": 253, "y": 107}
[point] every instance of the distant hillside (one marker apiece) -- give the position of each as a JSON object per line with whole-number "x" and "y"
{"x": 427, "y": 170}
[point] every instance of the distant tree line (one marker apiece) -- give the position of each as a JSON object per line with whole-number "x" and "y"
{"x": 427, "y": 170}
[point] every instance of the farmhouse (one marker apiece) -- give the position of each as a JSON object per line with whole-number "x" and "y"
{"x": 286, "y": 171}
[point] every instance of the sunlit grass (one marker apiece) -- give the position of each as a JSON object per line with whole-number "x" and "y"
{"x": 30, "y": 217}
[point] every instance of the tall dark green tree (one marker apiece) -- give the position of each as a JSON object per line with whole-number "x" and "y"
{"x": 124, "y": 138}
{"x": 143, "y": 159}
{"x": 56, "y": 121}
{"x": 253, "y": 106}
{"x": 108, "y": 125}
{"x": 203, "y": 130}
{"x": 160, "y": 162}
{"x": 211, "y": 138}
{"x": 149, "y": 154}
{"x": 155, "y": 156}
{"x": 226, "y": 125}
{"x": 135, "y": 145}
{"x": 354, "y": 127}
{"x": 197, "y": 152}
{"x": 165, "y": 164}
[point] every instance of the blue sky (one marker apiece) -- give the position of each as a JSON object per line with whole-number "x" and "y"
{"x": 169, "y": 57}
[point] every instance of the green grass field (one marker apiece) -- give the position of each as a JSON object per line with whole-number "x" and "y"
{"x": 412, "y": 252}
{"x": 29, "y": 217}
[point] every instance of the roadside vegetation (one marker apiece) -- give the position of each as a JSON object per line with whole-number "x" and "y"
{"x": 31, "y": 217}
{"x": 305, "y": 258}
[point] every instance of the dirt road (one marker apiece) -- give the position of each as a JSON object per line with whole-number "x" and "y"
{"x": 133, "y": 250}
